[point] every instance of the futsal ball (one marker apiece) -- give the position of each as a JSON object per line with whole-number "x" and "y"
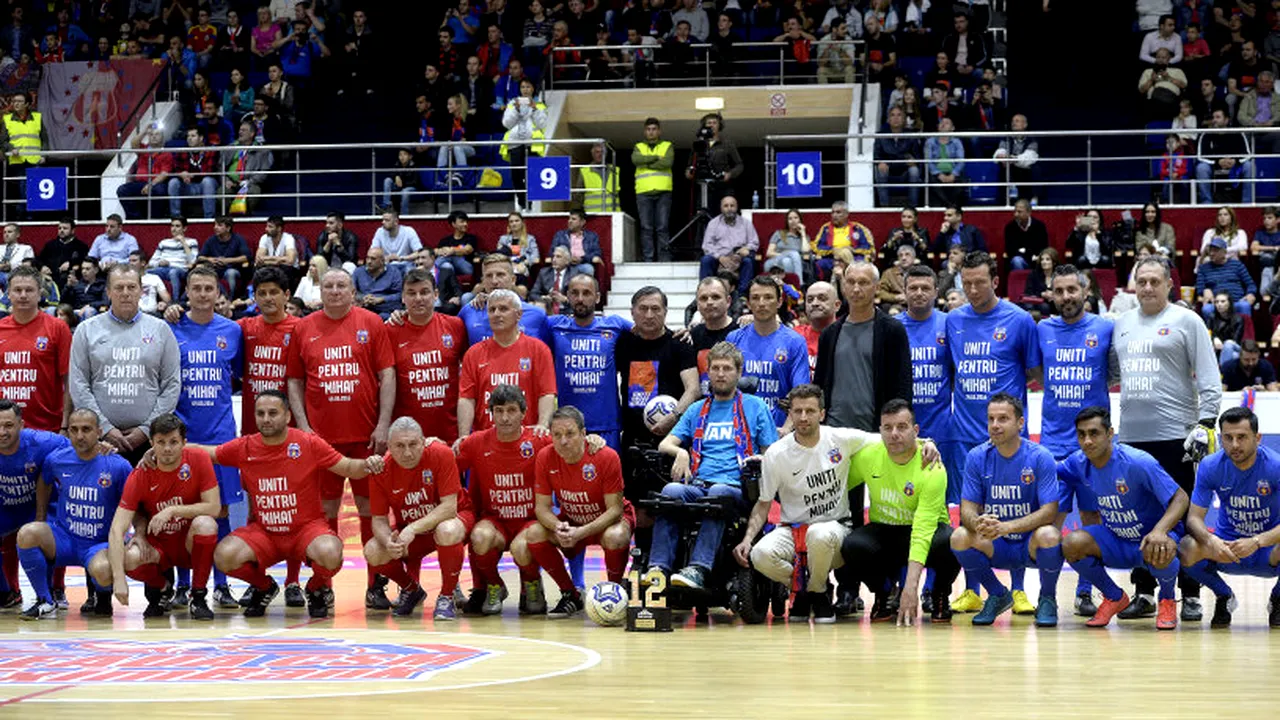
{"x": 657, "y": 409}
{"x": 607, "y": 604}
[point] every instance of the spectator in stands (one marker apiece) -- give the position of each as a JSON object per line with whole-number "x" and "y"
{"x": 944, "y": 156}
{"x": 463, "y": 21}
{"x": 1224, "y": 274}
{"x": 457, "y": 131}
{"x": 1266, "y": 245}
{"x": 984, "y": 111}
{"x": 841, "y": 233}
{"x": 174, "y": 256}
{"x": 659, "y": 22}
{"x": 897, "y": 157}
{"x": 114, "y": 244}
{"x": 1162, "y": 86}
{"x": 237, "y": 98}
{"x": 1196, "y": 54}
{"x": 910, "y": 232}
{"x": 842, "y": 10}
{"x": 217, "y": 132}
{"x": 789, "y": 246}
{"x": 525, "y": 119}
{"x": 87, "y": 292}
{"x": 965, "y": 49}
{"x": 403, "y": 182}
{"x": 879, "y": 51}
{"x": 537, "y": 32}
{"x": 583, "y": 244}
{"x": 580, "y": 24}
{"x": 891, "y": 295}
{"x": 337, "y": 244}
{"x": 900, "y": 85}
{"x": 180, "y": 61}
{"x": 378, "y": 284}
{"x": 1145, "y": 250}
{"x": 1152, "y": 228}
{"x": 1260, "y": 108}
{"x": 729, "y": 245}
{"x": 1224, "y": 163}
{"x": 522, "y": 247}
{"x": 63, "y": 251}
{"x": 193, "y": 174}
{"x": 400, "y": 242}
{"x": 455, "y": 250}
{"x": 800, "y": 13}
{"x": 1205, "y": 101}
{"x": 1186, "y": 120}
{"x": 1037, "y": 294}
{"x": 724, "y": 53}
{"x": 309, "y": 286}
{"x": 560, "y": 57}
{"x": 494, "y": 54}
{"x": 722, "y": 161}
{"x": 277, "y": 247}
{"x": 281, "y": 91}
{"x": 202, "y": 38}
{"x": 552, "y": 285}
{"x": 884, "y": 13}
{"x": 798, "y": 50}
{"x": 679, "y": 55}
{"x": 916, "y": 32}
{"x": 1173, "y": 172}
{"x": 1092, "y": 293}
{"x": 13, "y": 253}
{"x": 435, "y": 88}
{"x": 449, "y": 294}
{"x": 1242, "y": 74}
{"x": 1227, "y": 229}
{"x": 1249, "y": 370}
{"x": 1025, "y": 237}
{"x": 245, "y": 170}
{"x": 150, "y": 176}
{"x": 954, "y": 299}
{"x": 266, "y": 34}
{"x": 955, "y": 231}
{"x": 155, "y": 296}
{"x": 300, "y": 55}
{"x": 268, "y": 128}
{"x": 232, "y": 49}
{"x": 226, "y": 252}
{"x": 1090, "y": 245}
{"x": 639, "y": 63}
{"x": 943, "y": 107}
{"x": 1226, "y": 327}
{"x": 944, "y": 74}
{"x": 691, "y": 11}
{"x": 1163, "y": 37}
{"x": 507, "y": 86}
{"x": 912, "y": 110}
{"x": 1020, "y": 154}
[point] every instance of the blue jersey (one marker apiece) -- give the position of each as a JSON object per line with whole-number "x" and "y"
{"x": 719, "y": 452}
{"x": 85, "y": 493}
{"x": 991, "y": 353}
{"x": 1131, "y": 492}
{"x": 533, "y": 322}
{"x": 1012, "y": 487}
{"x": 18, "y": 473}
{"x": 930, "y": 374}
{"x": 779, "y": 362}
{"x": 1076, "y": 365}
{"x": 586, "y": 374}
{"x": 1249, "y": 499}
{"x": 210, "y": 355}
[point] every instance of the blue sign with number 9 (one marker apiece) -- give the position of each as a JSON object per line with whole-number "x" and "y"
{"x": 548, "y": 178}
{"x": 46, "y": 189}
{"x": 799, "y": 174}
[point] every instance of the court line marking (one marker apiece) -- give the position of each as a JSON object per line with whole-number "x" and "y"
{"x": 36, "y": 694}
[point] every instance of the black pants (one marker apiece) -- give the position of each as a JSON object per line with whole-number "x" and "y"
{"x": 1169, "y": 454}
{"x": 876, "y": 553}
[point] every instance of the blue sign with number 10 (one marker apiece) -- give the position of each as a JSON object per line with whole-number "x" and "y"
{"x": 799, "y": 174}
{"x": 548, "y": 178}
{"x": 46, "y": 189}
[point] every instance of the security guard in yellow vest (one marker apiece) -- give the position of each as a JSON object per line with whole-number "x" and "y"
{"x": 25, "y": 137}
{"x": 653, "y": 159}
{"x": 600, "y": 193}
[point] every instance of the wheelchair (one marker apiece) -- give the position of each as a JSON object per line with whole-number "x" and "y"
{"x": 744, "y": 591}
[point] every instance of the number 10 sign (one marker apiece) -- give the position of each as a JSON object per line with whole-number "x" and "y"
{"x": 46, "y": 189}
{"x": 799, "y": 174}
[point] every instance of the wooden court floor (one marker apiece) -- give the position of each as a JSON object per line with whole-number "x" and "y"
{"x": 358, "y": 665}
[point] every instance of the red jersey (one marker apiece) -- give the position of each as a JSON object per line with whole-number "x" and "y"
{"x": 150, "y": 490}
{"x": 266, "y": 355}
{"x": 811, "y": 339}
{"x": 428, "y": 360}
{"x": 580, "y": 487}
{"x": 340, "y": 361}
{"x": 34, "y": 369}
{"x": 201, "y": 37}
{"x": 526, "y": 364}
{"x": 282, "y": 481}
{"x": 502, "y": 474}
{"x": 412, "y": 494}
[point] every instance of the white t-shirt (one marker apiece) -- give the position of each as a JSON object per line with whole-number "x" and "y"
{"x": 151, "y": 287}
{"x": 811, "y": 484}
{"x": 406, "y": 242}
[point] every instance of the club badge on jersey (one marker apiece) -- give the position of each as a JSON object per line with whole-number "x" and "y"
{"x": 427, "y": 477}
{"x": 1122, "y": 487}
{"x": 104, "y": 479}
{"x": 294, "y": 451}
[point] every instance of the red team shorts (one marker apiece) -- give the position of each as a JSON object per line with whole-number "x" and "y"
{"x": 331, "y": 485}
{"x": 510, "y": 529}
{"x": 271, "y": 548}
{"x": 424, "y": 545}
{"x": 173, "y": 550}
{"x": 628, "y": 516}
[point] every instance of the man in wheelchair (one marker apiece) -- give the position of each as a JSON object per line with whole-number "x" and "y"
{"x": 711, "y": 445}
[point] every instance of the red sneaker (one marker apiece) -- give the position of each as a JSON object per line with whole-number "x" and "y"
{"x": 1107, "y": 610}
{"x": 1167, "y": 615}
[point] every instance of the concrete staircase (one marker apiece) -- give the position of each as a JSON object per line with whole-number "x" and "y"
{"x": 679, "y": 280}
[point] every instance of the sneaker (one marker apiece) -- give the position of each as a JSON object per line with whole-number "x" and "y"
{"x": 1192, "y": 610}
{"x": 941, "y": 611}
{"x": 1047, "y": 612}
{"x": 1022, "y": 604}
{"x": 293, "y": 596}
{"x": 1109, "y": 609}
{"x": 968, "y": 602}
{"x": 801, "y": 608}
{"x": 1167, "y": 615}
{"x": 1273, "y": 612}
{"x": 846, "y": 603}
{"x": 198, "y": 608}
{"x": 181, "y": 596}
{"x": 409, "y": 600}
{"x": 375, "y": 598}
{"x": 570, "y": 604}
{"x": 40, "y": 610}
{"x": 1143, "y": 606}
{"x": 247, "y": 598}
{"x": 223, "y": 598}
{"x": 102, "y": 605}
{"x": 1085, "y": 606}
{"x": 824, "y": 613}
{"x": 993, "y": 608}
{"x": 532, "y": 599}
{"x": 318, "y": 603}
{"x": 926, "y": 602}
{"x": 260, "y": 599}
{"x": 475, "y": 602}
{"x": 692, "y": 577}
{"x": 86, "y": 608}
{"x": 11, "y": 599}
{"x": 885, "y": 608}
{"x": 445, "y": 609}
{"x": 60, "y": 598}
{"x": 493, "y": 597}
{"x": 159, "y": 600}
{"x": 1222, "y": 609}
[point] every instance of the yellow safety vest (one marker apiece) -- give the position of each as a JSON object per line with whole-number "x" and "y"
{"x": 539, "y": 150}
{"x": 24, "y": 136}
{"x": 648, "y": 181}
{"x": 599, "y": 196}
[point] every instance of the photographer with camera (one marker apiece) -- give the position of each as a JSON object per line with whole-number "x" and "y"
{"x": 716, "y": 162}
{"x": 1162, "y": 86}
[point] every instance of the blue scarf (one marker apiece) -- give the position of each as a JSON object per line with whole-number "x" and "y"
{"x": 741, "y": 433}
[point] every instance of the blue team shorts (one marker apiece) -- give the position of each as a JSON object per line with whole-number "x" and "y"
{"x": 953, "y": 458}
{"x": 1009, "y": 554}
{"x": 228, "y": 485}
{"x": 1257, "y": 564}
{"x": 12, "y": 522}
{"x": 1118, "y": 552}
{"x": 71, "y": 550}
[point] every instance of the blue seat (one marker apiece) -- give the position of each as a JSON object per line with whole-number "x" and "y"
{"x": 915, "y": 68}
{"x": 1267, "y": 171}
{"x": 983, "y": 171}
{"x": 1155, "y": 141}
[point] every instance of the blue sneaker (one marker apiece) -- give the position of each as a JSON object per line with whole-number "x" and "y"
{"x": 445, "y": 609}
{"x": 992, "y": 608}
{"x": 1047, "y": 612}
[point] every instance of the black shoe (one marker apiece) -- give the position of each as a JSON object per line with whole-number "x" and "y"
{"x": 159, "y": 600}
{"x": 885, "y": 607}
{"x": 60, "y": 598}
{"x": 1273, "y": 612}
{"x": 1085, "y": 606}
{"x": 198, "y": 608}
{"x": 801, "y": 608}
{"x": 570, "y": 604}
{"x": 90, "y": 600}
{"x": 409, "y": 600}
{"x": 247, "y": 598}
{"x": 926, "y": 602}
{"x": 824, "y": 613}
{"x": 102, "y": 605}
{"x": 40, "y": 610}
{"x": 475, "y": 602}
{"x": 375, "y": 598}
{"x": 1143, "y": 606}
{"x": 320, "y": 602}
{"x": 1222, "y": 609}
{"x": 181, "y": 596}
{"x": 11, "y": 599}
{"x": 1193, "y": 611}
{"x": 223, "y": 598}
{"x": 293, "y": 596}
{"x": 260, "y": 599}
{"x": 942, "y": 611}
{"x": 846, "y": 603}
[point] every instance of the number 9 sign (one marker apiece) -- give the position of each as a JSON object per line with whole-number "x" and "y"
{"x": 799, "y": 174}
{"x": 548, "y": 178}
{"x": 46, "y": 189}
